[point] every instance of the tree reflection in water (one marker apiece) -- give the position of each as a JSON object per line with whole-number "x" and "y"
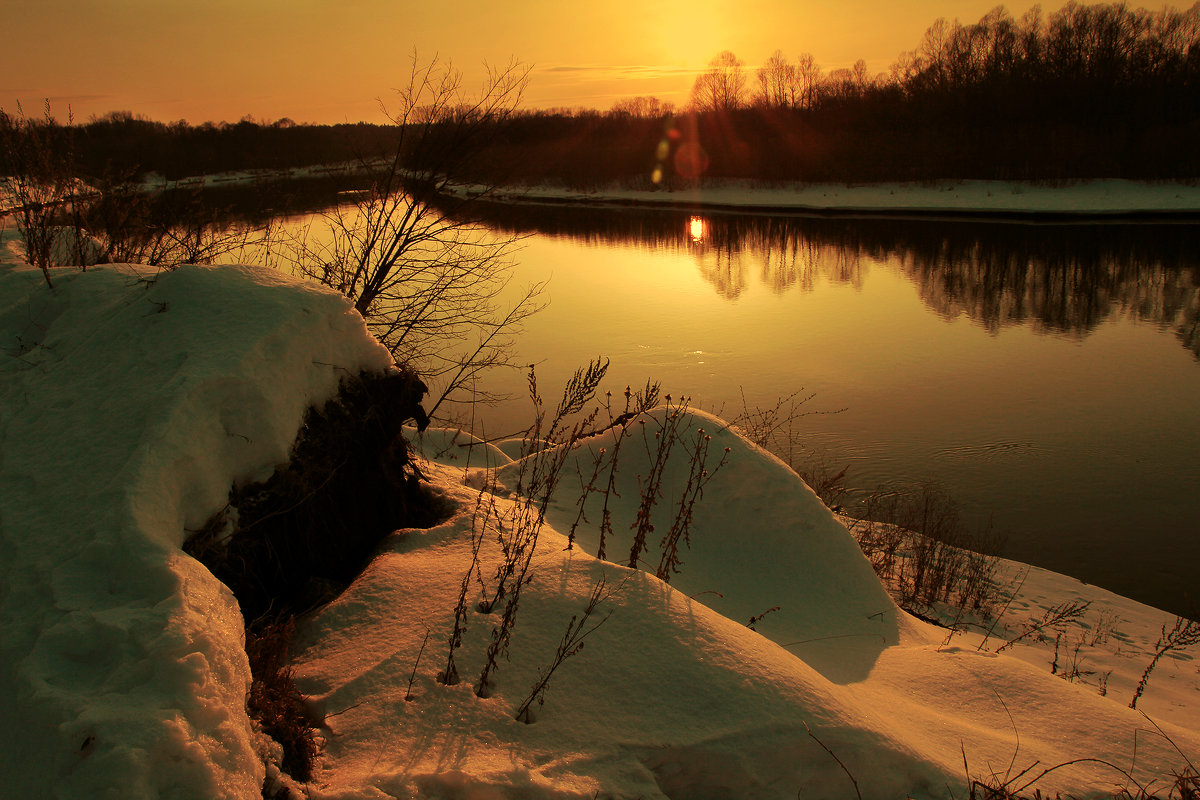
{"x": 1063, "y": 279}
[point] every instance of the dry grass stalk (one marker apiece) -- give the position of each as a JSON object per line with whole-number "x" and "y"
{"x": 571, "y": 643}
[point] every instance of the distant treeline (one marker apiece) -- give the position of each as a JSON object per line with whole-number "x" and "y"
{"x": 1090, "y": 91}
{"x": 120, "y": 144}
{"x": 1087, "y": 92}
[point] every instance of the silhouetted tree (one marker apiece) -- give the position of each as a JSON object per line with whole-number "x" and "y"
{"x": 778, "y": 83}
{"x": 723, "y": 86}
{"x": 808, "y": 78}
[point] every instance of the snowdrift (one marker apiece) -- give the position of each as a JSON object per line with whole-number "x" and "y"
{"x": 764, "y": 544}
{"x": 132, "y": 401}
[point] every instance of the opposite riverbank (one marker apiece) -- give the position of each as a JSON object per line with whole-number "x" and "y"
{"x": 1098, "y": 200}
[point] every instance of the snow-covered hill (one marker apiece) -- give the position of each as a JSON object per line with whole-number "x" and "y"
{"x": 129, "y": 404}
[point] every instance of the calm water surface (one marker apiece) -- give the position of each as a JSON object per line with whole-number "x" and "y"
{"x": 1046, "y": 376}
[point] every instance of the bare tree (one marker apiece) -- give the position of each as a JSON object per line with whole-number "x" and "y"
{"x": 778, "y": 82}
{"x": 930, "y": 56}
{"x": 427, "y": 278}
{"x": 904, "y": 68}
{"x": 723, "y": 86}
{"x": 808, "y": 78}
{"x": 64, "y": 221}
{"x": 39, "y": 186}
{"x": 861, "y": 77}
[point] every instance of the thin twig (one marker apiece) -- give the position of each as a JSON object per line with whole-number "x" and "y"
{"x": 835, "y": 758}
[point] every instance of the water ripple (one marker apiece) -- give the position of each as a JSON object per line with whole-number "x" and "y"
{"x": 991, "y": 451}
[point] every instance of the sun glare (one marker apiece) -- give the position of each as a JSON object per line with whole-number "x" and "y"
{"x": 687, "y": 31}
{"x": 697, "y": 229}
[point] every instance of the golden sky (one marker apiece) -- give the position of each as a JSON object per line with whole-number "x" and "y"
{"x": 333, "y": 61}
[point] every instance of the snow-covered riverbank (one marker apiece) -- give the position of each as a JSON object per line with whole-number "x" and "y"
{"x": 1100, "y": 199}
{"x": 131, "y": 401}
{"x": 1096, "y": 199}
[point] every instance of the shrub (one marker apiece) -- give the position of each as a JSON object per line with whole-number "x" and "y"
{"x": 923, "y": 551}
{"x": 274, "y": 701}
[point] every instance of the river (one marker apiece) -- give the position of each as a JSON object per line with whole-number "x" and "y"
{"x": 1046, "y": 376}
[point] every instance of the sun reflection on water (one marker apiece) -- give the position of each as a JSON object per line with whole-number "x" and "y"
{"x": 697, "y": 228}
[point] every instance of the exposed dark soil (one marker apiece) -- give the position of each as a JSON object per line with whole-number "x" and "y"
{"x": 295, "y": 541}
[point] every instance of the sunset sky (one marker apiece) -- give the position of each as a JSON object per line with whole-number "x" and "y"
{"x": 330, "y": 61}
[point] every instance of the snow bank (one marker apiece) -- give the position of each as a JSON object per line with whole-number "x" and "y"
{"x": 130, "y": 402}
{"x": 667, "y": 699}
{"x": 763, "y": 540}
